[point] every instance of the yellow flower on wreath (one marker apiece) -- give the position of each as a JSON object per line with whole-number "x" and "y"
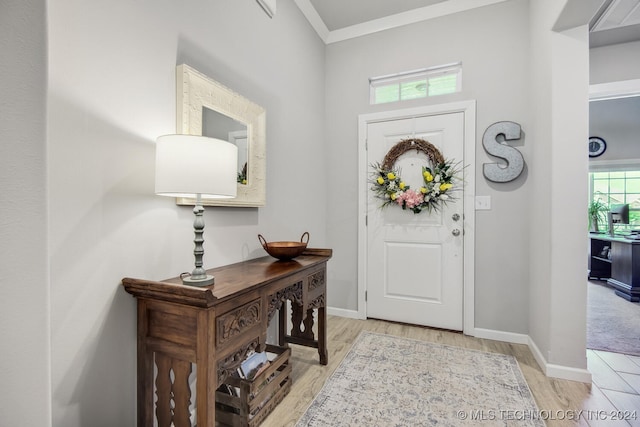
{"x": 432, "y": 194}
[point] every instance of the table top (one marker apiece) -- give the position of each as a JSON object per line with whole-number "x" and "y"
{"x": 230, "y": 280}
{"x": 617, "y": 238}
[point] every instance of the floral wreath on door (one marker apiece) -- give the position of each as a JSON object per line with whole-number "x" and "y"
{"x": 439, "y": 179}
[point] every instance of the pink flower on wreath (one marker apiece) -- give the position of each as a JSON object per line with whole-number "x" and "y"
{"x": 410, "y": 199}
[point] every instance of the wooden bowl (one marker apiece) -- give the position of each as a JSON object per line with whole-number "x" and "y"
{"x": 285, "y": 250}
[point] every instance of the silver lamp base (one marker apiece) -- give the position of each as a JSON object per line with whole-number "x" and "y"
{"x": 199, "y": 276}
{"x": 205, "y": 281}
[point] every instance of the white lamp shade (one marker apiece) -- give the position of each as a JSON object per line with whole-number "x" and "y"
{"x": 188, "y": 165}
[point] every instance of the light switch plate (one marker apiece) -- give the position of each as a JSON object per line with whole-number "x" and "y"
{"x": 483, "y": 203}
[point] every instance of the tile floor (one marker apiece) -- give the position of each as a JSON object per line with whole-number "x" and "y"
{"x": 615, "y": 389}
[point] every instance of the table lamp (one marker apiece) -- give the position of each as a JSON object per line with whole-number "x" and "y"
{"x": 200, "y": 167}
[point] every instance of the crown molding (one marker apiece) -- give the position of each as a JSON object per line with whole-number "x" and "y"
{"x": 448, "y": 7}
{"x": 314, "y": 19}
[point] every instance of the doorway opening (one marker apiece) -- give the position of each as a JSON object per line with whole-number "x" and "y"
{"x": 611, "y": 181}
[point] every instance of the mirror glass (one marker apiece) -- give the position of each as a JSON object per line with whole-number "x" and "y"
{"x": 206, "y": 107}
{"x": 216, "y": 125}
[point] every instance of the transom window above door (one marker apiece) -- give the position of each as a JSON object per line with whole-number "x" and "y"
{"x": 440, "y": 80}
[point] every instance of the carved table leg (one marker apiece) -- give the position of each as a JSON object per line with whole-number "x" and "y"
{"x": 322, "y": 335}
{"x": 296, "y": 320}
{"x": 302, "y": 320}
{"x": 145, "y": 370}
{"x": 282, "y": 326}
{"x": 163, "y": 391}
{"x": 173, "y": 392}
{"x": 308, "y": 326}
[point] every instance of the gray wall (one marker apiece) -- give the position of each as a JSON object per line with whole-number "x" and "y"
{"x": 614, "y": 63}
{"x": 111, "y": 93}
{"x": 24, "y": 285}
{"x": 559, "y": 111}
{"x": 617, "y": 121}
{"x": 492, "y": 43}
{"x": 516, "y": 69}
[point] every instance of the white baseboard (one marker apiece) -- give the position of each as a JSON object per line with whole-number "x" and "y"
{"x": 342, "y": 312}
{"x": 559, "y": 371}
{"x": 491, "y": 334}
{"x": 537, "y": 354}
{"x": 549, "y": 369}
{"x": 568, "y": 373}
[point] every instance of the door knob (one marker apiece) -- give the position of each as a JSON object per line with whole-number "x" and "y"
{"x": 455, "y": 217}
{"x": 455, "y": 232}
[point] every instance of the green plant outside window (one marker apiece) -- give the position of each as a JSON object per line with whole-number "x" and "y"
{"x": 618, "y": 187}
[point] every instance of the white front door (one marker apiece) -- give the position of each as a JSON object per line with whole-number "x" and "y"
{"x": 414, "y": 263}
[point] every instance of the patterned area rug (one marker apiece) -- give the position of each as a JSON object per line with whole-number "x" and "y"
{"x": 391, "y": 381}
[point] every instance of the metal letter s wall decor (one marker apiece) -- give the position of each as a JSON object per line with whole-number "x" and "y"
{"x": 513, "y": 157}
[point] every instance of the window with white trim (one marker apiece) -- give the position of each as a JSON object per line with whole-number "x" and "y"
{"x": 416, "y": 84}
{"x": 618, "y": 187}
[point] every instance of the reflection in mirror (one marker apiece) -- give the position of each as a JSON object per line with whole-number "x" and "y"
{"x": 216, "y": 125}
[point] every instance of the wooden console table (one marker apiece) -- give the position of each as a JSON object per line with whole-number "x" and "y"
{"x": 215, "y": 327}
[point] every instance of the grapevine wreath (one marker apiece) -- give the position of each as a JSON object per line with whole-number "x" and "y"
{"x": 437, "y": 182}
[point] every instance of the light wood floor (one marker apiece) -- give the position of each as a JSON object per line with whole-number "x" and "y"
{"x": 309, "y": 376}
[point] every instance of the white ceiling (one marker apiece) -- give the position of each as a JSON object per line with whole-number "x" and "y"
{"x": 619, "y": 13}
{"x": 337, "y": 14}
{"x": 617, "y": 21}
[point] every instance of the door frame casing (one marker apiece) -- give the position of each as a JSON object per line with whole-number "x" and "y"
{"x": 468, "y": 108}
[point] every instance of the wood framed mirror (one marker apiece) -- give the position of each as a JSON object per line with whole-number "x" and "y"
{"x": 208, "y": 108}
